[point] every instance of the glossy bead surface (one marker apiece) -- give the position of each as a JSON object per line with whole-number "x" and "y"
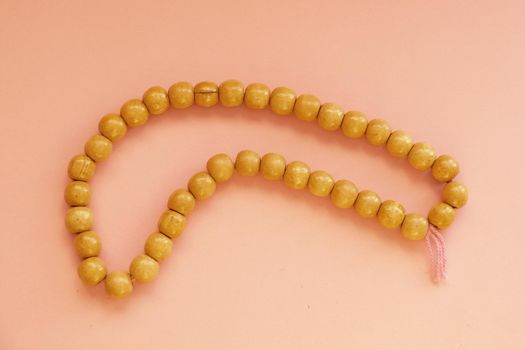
{"x": 202, "y": 185}
{"x": 112, "y": 126}
{"x": 320, "y": 183}
{"x": 181, "y": 201}
{"x": 220, "y": 167}
{"x": 172, "y": 223}
{"x": 442, "y": 215}
{"x": 456, "y": 194}
{"x": 257, "y": 96}
{"x": 77, "y": 193}
{"x": 399, "y": 143}
{"x": 98, "y": 148}
{"x": 414, "y": 227}
{"x": 118, "y": 284}
{"x": 307, "y": 107}
{"x": 273, "y": 166}
{"x": 296, "y": 175}
{"x": 181, "y": 95}
{"x": 158, "y": 246}
{"x": 421, "y": 156}
{"x": 87, "y": 244}
{"x": 367, "y": 204}
{"x": 79, "y": 219}
{"x": 134, "y": 113}
{"x": 206, "y": 94}
{"x": 343, "y": 194}
{"x": 144, "y": 269}
{"x": 247, "y": 163}
{"x": 377, "y": 132}
{"x": 282, "y": 100}
{"x": 81, "y": 168}
{"x": 231, "y": 93}
{"x": 445, "y": 168}
{"x": 354, "y": 124}
{"x": 92, "y": 271}
{"x": 391, "y": 214}
{"x": 156, "y": 100}
{"x": 330, "y": 116}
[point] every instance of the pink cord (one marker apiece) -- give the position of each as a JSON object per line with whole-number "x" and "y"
{"x": 436, "y": 249}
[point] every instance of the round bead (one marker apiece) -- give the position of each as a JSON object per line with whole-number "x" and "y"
{"x": 118, "y": 284}
{"x": 181, "y": 94}
{"x": 307, "y": 107}
{"x": 445, "y": 168}
{"x": 206, "y": 94}
{"x": 231, "y": 93}
{"x": 247, "y": 163}
{"x": 79, "y": 219}
{"x": 399, "y": 143}
{"x": 282, "y": 100}
{"x": 98, "y": 148}
{"x": 354, "y": 124}
{"x": 456, "y": 194}
{"x": 257, "y": 96}
{"x": 92, "y": 271}
{"x": 134, "y": 113}
{"x": 377, "y": 132}
{"x": 77, "y": 193}
{"x": 87, "y": 244}
{"x": 202, "y": 185}
{"x": 181, "y": 201}
{"x": 367, "y": 204}
{"x": 320, "y": 183}
{"x": 158, "y": 246}
{"x": 113, "y": 127}
{"x": 414, "y": 227}
{"x": 81, "y": 168}
{"x": 144, "y": 269}
{"x": 330, "y": 116}
{"x": 156, "y": 100}
{"x": 421, "y": 156}
{"x": 220, "y": 167}
{"x": 172, "y": 223}
{"x": 296, "y": 175}
{"x": 441, "y": 215}
{"x": 273, "y": 166}
{"x": 391, "y": 214}
{"x": 343, "y": 194}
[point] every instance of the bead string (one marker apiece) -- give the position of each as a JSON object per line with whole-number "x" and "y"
{"x": 296, "y": 175}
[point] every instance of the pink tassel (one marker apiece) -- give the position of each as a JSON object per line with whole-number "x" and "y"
{"x": 436, "y": 249}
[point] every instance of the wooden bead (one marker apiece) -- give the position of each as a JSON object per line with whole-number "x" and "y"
{"x": 87, "y": 244}
{"x": 441, "y": 215}
{"x": 206, "y": 94}
{"x": 134, "y": 113}
{"x": 181, "y": 95}
{"x": 181, "y": 201}
{"x": 92, "y": 271}
{"x": 220, "y": 167}
{"x": 354, "y": 124}
{"x": 79, "y": 219}
{"x": 456, "y": 194}
{"x": 282, "y": 100}
{"x": 144, "y": 269}
{"x": 421, "y": 156}
{"x": 330, "y": 116}
{"x": 307, "y": 107}
{"x": 118, "y": 284}
{"x": 445, "y": 168}
{"x": 391, "y": 214}
{"x": 414, "y": 227}
{"x": 98, "y": 148}
{"x": 158, "y": 246}
{"x": 231, "y": 93}
{"x": 257, "y": 96}
{"x": 296, "y": 175}
{"x": 77, "y": 194}
{"x": 81, "y": 168}
{"x": 377, "y": 132}
{"x": 273, "y": 166}
{"x": 320, "y": 183}
{"x": 399, "y": 143}
{"x": 172, "y": 223}
{"x": 113, "y": 127}
{"x": 247, "y": 163}
{"x": 202, "y": 185}
{"x": 156, "y": 100}
{"x": 367, "y": 204}
{"x": 343, "y": 194}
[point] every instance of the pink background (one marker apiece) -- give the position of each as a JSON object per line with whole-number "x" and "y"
{"x": 260, "y": 266}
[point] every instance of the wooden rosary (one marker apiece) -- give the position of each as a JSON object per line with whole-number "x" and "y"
{"x": 296, "y": 175}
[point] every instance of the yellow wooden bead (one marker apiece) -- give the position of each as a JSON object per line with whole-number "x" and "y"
{"x": 87, "y": 244}
{"x": 441, "y": 215}
{"x": 343, "y": 194}
{"x": 98, "y": 148}
{"x": 144, "y": 269}
{"x": 202, "y": 185}
{"x": 79, "y": 219}
{"x": 220, "y": 167}
{"x": 247, "y": 163}
{"x": 377, "y": 132}
{"x": 77, "y": 193}
{"x": 158, "y": 246}
{"x": 113, "y": 127}
{"x": 181, "y": 95}
{"x": 181, "y": 201}
{"x": 391, "y": 214}
{"x": 81, "y": 168}
{"x": 296, "y": 175}
{"x": 367, "y": 204}
{"x": 92, "y": 271}
{"x": 354, "y": 124}
{"x": 456, "y": 194}
{"x": 445, "y": 168}
{"x": 156, "y": 100}
{"x": 273, "y": 166}
{"x": 118, "y": 284}
{"x": 421, "y": 156}
{"x": 399, "y": 143}
{"x": 320, "y": 183}
{"x": 134, "y": 113}
{"x": 414, "y": 227}
{"x": 257, "y": 96}
{"x": 282, "y": 100}
{"x": 330, "y": 116}
{"x": 206, "y": 94}
{"x": 231, "y": 93}
{"x": 172, "y": 223}
{"x": 307, "y": 107}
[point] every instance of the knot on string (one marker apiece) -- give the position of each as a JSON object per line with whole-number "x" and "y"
{"x": 436, "y": 250}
